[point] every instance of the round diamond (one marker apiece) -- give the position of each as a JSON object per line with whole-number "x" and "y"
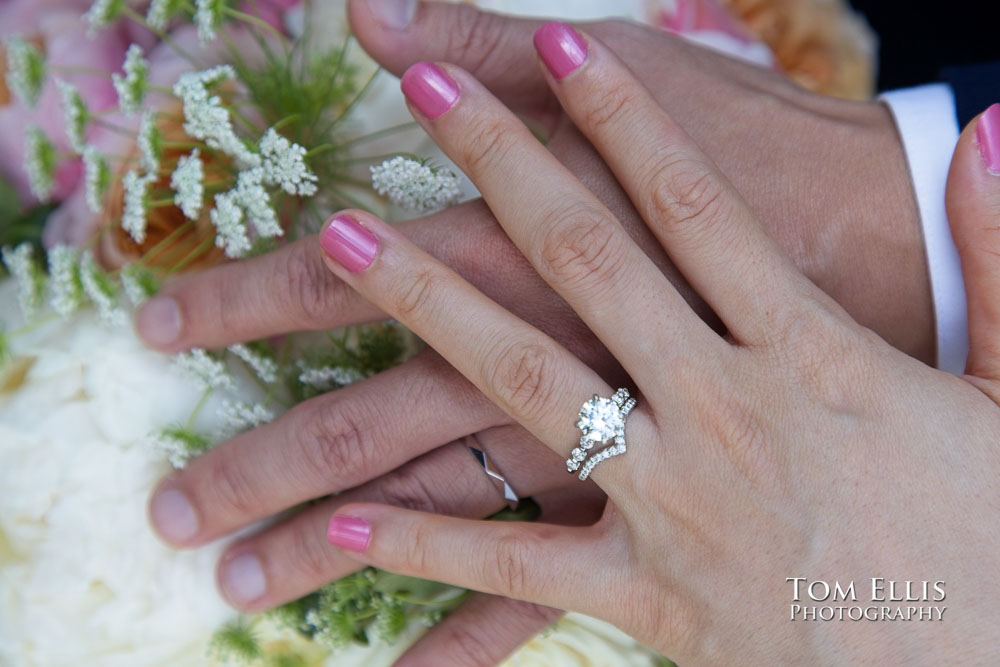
{"x": 599, "y": 419}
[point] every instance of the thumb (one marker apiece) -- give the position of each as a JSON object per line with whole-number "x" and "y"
{"x": 973, "y": 200}
{"x": 495, "y": 49}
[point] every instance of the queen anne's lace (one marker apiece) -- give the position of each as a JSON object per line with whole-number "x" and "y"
{"x": 25, "y": 70}
{"x": 20, "y": 262}
{"x": 103, "y": 12}
{"x": 64, "y": 279}
{"x": 284, "y": 165}
{"x": 415, "y": 186}
{"x": 150, "y": 143}
{"x": 206, "y": 118}
{"x": 99, "y": 289}
{"x": 131, "y": 88}
{"x": 134, "y": 214}
{"x": 97, "y": 177}
{"x": 230, "y": 232}
{"x": 207, "y": 371}
{"x": 40, "y": 163}
{"x": 187, "y": 182}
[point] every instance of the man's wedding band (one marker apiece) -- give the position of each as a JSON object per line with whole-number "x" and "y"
{"x": 491, "y": 471}
{"x": 601, "y": 420}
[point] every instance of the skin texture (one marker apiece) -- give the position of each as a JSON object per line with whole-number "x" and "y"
{"x": 827, "y": 178}
{"x": 800, "y": 444}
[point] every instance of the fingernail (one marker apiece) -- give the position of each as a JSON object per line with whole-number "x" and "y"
{"x": 349, "y": 243}
{"x": 561, "y": 48}
{"x": 159, "y": 320}
{"x": 242, "y": 579}
{"x": 349, "y": 532}
{"x": 393, "y": 14}
{"x": 988, "y": 137}
{"x": 173, "y": 516}
{"x": 430, "y": 89}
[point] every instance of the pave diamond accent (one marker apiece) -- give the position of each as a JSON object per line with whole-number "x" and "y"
{"x": 601, "y": 420}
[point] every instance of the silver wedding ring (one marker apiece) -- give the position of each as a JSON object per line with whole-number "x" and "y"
{"x": 491, "y": 471}
{"x": 601, "y": 421}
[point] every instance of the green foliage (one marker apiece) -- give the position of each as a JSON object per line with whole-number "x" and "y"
{"x": 17, "y": 226}
{"x": 236, "y": 642}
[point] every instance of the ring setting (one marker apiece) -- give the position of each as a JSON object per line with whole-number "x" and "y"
{"x": 601, "y": 421}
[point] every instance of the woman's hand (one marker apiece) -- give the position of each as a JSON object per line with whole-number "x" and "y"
{"x": 799, "y": 445}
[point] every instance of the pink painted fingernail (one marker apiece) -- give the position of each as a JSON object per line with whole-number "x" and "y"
{"x": 562, "y": 49}
{"x": 173, "y": 516}
{"x": 353, "y": 246}
{"x": 242, "y": 579}
{"x": 988, "y": 136}
{"x": 349, "y": 532}
{"x": 159, "y": 321}
{"x": 430, "y": 89}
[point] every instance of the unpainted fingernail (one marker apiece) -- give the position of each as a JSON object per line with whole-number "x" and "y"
{"x": 561, "y": 48}
{"x": 430, "y": 89}
{"x": 350, "y": 244}
{"x": 988, "y": 137}
{"x": 159, "y": 321}
{"x": 242, "y": 579}
{"x": 173, "y": 516}
{"x": 349, "y": 532}
{"x": 393, "y": 14}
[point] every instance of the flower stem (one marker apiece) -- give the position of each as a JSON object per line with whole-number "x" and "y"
{"x": 193, "y": 255}
{"x": 197, "y": 409}
{"x": 165, "y": 241}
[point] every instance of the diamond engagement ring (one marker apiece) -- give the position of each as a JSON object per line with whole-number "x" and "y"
{"x": 601, "y": 420}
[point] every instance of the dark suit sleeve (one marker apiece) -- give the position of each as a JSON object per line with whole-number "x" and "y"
{"x": 976, "y": 87}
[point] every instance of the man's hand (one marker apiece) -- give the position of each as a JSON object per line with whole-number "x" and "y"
{"x": 827, "y": 177}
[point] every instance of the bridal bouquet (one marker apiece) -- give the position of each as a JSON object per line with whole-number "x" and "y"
{"x": 153, "y": 137}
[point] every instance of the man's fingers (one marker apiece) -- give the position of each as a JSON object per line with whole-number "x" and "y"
{"x": 480, "y": 633}
{"x": 495, "y": 49}
{"x": 293, "y": 558}
{"x": 973, "y": 199}
{"x": 327, "y": 444}
{"x": 283, "y": 291}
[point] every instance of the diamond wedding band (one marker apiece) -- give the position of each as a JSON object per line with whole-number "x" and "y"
{"x": 601, "y": 420}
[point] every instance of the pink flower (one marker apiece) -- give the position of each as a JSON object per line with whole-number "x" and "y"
{"x": 60, "y": 33}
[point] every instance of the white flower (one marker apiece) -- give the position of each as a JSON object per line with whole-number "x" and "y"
{"x": 75, "y": 114}
{"x": 208, "y": 17}
{"x": 64, "y": 279}
{"x": 256, "y": 204}
{"x": 40, "y": 161}
{"x": 160, "y": 12}
{"x": 134, "y": 214}
{"x": 97, "y": 175}
{"x": 136, "y": 282}
{"x": 28, "y": 275}
{"x": 103, "y": 12}
{"x": 25, "y": 70}
{"x": 415, "y": 186}
{"x": 207, "y": 371}
{"x": 264, "y": 366}
{"x": 284, "y": 165}
{"x": 243, "y": 416}
{"x": 131, "y": 88}
{"x": 205, "y": 117}
{"x": 231, "y": 233}
{"x": 327, "y": 377}
{"x": 99, "y": 289}
{"x": 188, "y": 184}
{"x": 150, "y": 143}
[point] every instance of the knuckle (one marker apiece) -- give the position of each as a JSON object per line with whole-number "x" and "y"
{"x": 465, "y": 645}
{"x": 510, "y": 562}
{"x": 409, "y": 488}
{"x": 337, "y": 442}
{"x": 476, "y": 40}
{"x": 233, "y": 492}
{"x": 522, "y": 377}
{"x": 486, "y": 144}
{"x": 614, "y": 100}
{"x": 684, "y": 192}
{"x": 312, "y": 557}
{"x": 414, "y": 299}
{"x": 583, "y": 247}
{"x": 312, "y": 293}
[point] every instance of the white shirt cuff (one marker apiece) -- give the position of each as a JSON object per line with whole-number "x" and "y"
{"x": 926, "y": 120}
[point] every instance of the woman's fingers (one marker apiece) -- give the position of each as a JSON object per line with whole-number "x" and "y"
{"x": 704, "y": 224}
{"x": 525, "y": 372}
{"x": 542, "y": 563}
{"x": 330, "y": 443}
{"x": 973, "y": 199}
{"x": 573, "y": 241}
{"x": 480, "y": 633}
